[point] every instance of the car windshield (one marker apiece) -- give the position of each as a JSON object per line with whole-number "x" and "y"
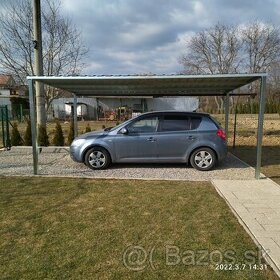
{"x": 120, "y": 125}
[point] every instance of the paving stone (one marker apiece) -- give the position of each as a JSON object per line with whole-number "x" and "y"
{"x": 262, "y": 221}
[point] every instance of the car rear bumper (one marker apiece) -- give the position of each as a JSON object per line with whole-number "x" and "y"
{"x": 222, "y": 152}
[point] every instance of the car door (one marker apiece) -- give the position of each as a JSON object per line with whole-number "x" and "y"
{"x": 139, "y": 143}
{"x": 173, "y": 137}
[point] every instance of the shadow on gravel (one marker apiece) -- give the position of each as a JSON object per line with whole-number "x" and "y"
{"x": 229, "y": 162}
{"x": 270, "y": 154}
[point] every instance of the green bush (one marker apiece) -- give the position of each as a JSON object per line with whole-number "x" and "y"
{"x": 58, "y": 139}
{"x": 16, "y": 139}
{"x": 271, "y": 107}
{"x": 43, "y": 139}
{"x": 71, "y": 134}
{"x": 27, "y": 139}
{"x": 88, "y": 129}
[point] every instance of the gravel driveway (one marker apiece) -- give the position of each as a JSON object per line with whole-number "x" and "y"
{"x": 57, "y": 162}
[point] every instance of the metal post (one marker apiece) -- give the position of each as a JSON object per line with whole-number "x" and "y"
{"x": 33, "y": 127}
{"x": 8, "y": 141}
{"x": 38, "y": 62}
{"x": 226, "y": 113}
{"x": 260, "y": 126}
{"x": 75, "y": 119}
{"x": 97, "y": 108}
{"x": 21, "y": 112}
{"x": 3, "y": 127}
{"x": 234, "y": 128}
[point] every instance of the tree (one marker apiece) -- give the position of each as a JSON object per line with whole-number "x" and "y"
{"x": 261, "y": 43}
{"x": 71, "y": 133}
{"x": 88, "y": 128}
{"x": 27, "y": 135}
{"x": 274, "y": 82}
{"x": 215, "y": 50}
{"x": 58, "y": 139}
{"x": 212, "y": 51}
{"x": 253, "y": 48}
{"x": 63, "y": 50}
{"x": 43, "y": 138}
{"x": 222, "y": 49}
{"x": 16, "y": 139}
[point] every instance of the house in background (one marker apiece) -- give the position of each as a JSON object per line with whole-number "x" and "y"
{"x": 61, "y": 108}
{"x": 91, "y": 108}
{"x": 7, "y": 88}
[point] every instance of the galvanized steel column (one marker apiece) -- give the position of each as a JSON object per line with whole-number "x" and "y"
{"x": 33, "y": 127}
{"x": 260, "y": 126}
{"x": 75, "y": 120}
{"x": 226, "y": 113}
{"x": 38, "y": 63}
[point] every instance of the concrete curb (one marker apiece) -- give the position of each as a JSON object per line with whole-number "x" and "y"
{"x": 49, "y": 149}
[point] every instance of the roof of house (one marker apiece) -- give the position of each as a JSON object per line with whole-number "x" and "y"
{"x": 6, "y": 80}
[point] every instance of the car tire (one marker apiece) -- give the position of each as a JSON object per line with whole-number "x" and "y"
{"x": 203, "y": 159}
{"x": 97, "y": 158}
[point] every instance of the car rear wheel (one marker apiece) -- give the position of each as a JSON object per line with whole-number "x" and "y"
{"x": 203, "y": 159}
{"x": 97, "y": 158}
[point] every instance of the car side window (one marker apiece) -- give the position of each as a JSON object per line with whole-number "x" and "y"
{"x": 146, "y": 125}
{"x": 175, "y": 123}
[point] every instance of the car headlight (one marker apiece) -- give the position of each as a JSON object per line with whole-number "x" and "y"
{"x": 78, "y": 142}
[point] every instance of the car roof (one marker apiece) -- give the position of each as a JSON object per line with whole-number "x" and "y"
{"x": 167, "y": 112}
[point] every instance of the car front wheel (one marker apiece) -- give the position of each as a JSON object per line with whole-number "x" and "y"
{"x": 97, "y": 158}
{"x": 203, "y": 159}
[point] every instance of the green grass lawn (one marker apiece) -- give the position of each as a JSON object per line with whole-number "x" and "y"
{"x": 80, "y": 229}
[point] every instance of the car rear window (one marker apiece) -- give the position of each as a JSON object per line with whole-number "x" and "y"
{"x": 194, "y": 122}
{"x": 218, "y": 125}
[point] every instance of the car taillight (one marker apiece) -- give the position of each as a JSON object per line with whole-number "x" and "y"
{"x": 221, "y": 133}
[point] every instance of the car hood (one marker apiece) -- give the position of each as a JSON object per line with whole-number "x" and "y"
{"x": 92, "y": 134}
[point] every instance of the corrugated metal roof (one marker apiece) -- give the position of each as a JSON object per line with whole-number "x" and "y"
{"x": 150, "y": 85}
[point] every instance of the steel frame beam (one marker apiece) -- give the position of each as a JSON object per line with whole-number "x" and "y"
{"x": 75, "y": 117}
{"x": 226, "y": 113}
{"x": 33, "y": 127}
{"x": 260, "y": 126}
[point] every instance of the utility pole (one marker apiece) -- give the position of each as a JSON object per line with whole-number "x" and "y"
{"x": 37, "y": 41}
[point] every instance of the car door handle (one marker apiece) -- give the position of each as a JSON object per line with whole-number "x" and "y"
{"x": 191, "y": 137}
{"x": 151, "y": 139}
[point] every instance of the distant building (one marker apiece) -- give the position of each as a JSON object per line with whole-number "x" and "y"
{"x": 7, "y": 88}
{"x": 118, "y": 108}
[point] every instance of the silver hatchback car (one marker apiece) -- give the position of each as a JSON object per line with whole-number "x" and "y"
{"x": 155, "y": 137}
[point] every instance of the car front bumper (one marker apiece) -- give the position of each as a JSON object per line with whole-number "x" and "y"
{"x": 75, "y": 153}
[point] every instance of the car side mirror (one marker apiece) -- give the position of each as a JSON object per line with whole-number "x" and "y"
{"x": 123, "y": 131}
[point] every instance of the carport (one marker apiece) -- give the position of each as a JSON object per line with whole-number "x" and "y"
{"x": 151, "y": 86}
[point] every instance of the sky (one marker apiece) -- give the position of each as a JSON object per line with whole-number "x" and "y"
{"x": 145, "y": 36}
